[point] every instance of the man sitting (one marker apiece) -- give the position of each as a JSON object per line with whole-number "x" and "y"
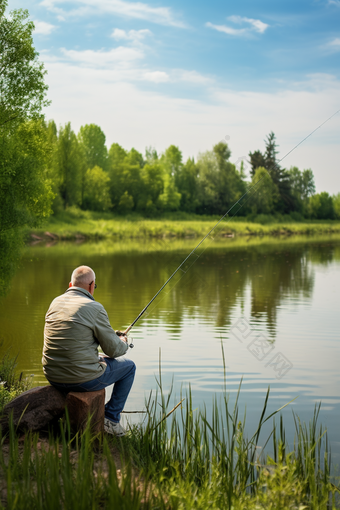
{"x": 75, "y": 326}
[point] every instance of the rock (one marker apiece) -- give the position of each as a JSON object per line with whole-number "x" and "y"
{"x": 34, "y": 409}
{"x": 81, "y": 406}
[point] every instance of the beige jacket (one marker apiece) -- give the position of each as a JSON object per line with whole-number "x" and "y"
{"x": 75, "y": 326}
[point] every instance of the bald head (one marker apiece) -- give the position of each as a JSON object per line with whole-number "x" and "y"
{"x": 83, "y": 276}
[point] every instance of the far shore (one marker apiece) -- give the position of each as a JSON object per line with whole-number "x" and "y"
{"x": 89, "y": 225}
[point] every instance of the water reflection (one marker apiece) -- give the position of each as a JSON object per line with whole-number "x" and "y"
{"x": 288, "y": 290}
{"x": 228, "y": 274}
{"x": 11, "y": 246}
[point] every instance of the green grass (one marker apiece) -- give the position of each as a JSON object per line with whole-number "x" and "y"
{"x": 11, "y": 385}
{"x": 180, "y": 458}
{"x": 74, "y": 223}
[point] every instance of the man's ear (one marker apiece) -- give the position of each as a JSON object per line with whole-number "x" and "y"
{"x": 70, "y": 285}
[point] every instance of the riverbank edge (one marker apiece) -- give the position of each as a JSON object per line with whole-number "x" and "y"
{"x": 120, "y": 228}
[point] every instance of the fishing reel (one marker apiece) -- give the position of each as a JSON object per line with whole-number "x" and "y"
{"x": 121, "y": 333}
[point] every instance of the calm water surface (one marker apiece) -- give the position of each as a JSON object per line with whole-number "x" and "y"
{"x": 272, "y": 304}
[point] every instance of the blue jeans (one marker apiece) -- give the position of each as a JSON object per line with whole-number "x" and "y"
{"x": 121, "y": 373}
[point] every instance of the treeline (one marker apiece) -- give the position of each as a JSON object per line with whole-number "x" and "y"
{"x": 84, "y": 173}
{"x": 45, "y": 169}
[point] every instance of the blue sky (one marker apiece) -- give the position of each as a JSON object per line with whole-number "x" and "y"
{"x": 191, "y": 74}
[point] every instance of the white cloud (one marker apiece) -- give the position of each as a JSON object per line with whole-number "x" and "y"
{"x": 132, "y": 35}
{"x": 334, "y": 2}
{"x": 191, "y": 77}
{"x": 256, "y": 25}
{"x": 136, "y": 10}
{"x": 103, "y": 58}
{"x": 156, "y": 76}
{"x": 43, "y": 28}
{"x": 335, "y": 43}
{"x": 227, "y": 30}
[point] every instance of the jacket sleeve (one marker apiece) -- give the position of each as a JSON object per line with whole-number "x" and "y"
{"x": 111, "y": 344}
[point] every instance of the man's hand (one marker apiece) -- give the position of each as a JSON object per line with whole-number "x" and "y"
{"x": 122, "y": 335}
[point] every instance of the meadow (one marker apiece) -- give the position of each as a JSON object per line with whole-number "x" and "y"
{"x": 74, "y": 223}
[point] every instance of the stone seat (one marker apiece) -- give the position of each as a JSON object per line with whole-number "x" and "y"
{"x": 35, "y": 409}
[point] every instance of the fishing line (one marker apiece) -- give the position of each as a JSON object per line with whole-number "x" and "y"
{"x": 254, "y": 188}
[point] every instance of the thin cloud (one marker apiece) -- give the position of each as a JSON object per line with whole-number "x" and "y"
{"x": 103, "y": 58}
{"x": 334, "y": 2}
{"x": 132, "y": 35}
{"x": 191, "y": 77}
{"x": 156, "y": 76}
{"x": 253, "y": 25}
{"x": 335, "y": 43}
{"x": 43, "y": 28}
{"x": 136, "y": 10}
{"x": 227, "y": 30}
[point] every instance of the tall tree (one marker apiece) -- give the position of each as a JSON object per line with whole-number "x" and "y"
{"x": 220, "y": 183}
{"x": 92, "y": 142}
{"x": 25, "y": 194}
{"x": 257, "y": 159}
{"x": 97, "y": 190}
{"x": 70, "y": 165}
{"x": 172, "y": 160}
{"x": 280, "y": 177}
{"x": 25, "y": 191}
{"x": 186, "y": 180}
{"x": 125, "y": 178}
{"x": 22, "y": 85}
{"x": 265, "y": 197}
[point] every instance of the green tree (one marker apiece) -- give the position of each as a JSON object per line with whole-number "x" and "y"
{"x": 265, "y": 195}
{"x": 220, "y": 183}
{"x": 320, "y": 206}
{"x": 150, "y": 155}
{"x": 308, "y": 184}
{"x": 257, "y": 160}
{"x": 186, "y": 180}
{"x": 170, "y": 199}
{"x": 25, "y": 192}
{"x": 281, "y": 177}
{"x": 126, "y": 183}
{"x": 135, "y": 158}
{"x": 22, "y": 85}
{"x": 302, "y": 187}
{"x": 70, "y": 167}
{"x": 97, "y": 190}
{"x": 92, "y": 142}
{"x": 336, "y": 205}
{"x": 172, "y": 160}
{"x": 152, "y": 187}
{"x": 52, "y": 167}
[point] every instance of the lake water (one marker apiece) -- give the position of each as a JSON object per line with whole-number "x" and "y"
{"x": 272, "y": 303}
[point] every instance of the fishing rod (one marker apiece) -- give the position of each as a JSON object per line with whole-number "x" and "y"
{"x": 253, "y": 188}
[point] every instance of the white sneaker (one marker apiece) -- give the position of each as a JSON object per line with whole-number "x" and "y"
{"x": 113, "y": 428}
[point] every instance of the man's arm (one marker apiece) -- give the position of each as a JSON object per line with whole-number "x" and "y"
{"x": 112, "y": 345}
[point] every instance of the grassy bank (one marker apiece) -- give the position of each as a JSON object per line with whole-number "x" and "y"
{"x": 183, "y": 461}
{"x": 75, "y": 224}
{"x": 180, "y": 458}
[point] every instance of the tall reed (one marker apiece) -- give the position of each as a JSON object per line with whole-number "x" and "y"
{"x": 183, "y": 459}
{"x": 198, "y": 460}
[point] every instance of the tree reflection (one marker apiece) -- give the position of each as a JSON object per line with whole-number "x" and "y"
{"x": 11, "y": 244}
{"x": 225, "y": 280}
